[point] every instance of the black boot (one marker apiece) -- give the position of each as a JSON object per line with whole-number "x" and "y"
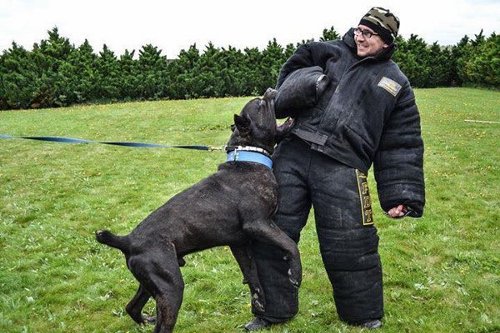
{"x": 257, "y": 324}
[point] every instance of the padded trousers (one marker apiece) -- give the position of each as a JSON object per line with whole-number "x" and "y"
{"x": 347, "y": 238}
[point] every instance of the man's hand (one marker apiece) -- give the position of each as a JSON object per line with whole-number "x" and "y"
{"x": 398, "y": 211}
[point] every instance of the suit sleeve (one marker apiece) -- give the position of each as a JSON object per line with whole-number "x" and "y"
{"x": 398, "y": 163}
{"x": 301, "y": 82}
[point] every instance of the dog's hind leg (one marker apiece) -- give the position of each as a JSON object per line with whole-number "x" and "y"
{"x": 158, "y": 272}
{"x": 266, "y": 231}
{"x": 243, "y": 255}
{"x": 136, "y": 304}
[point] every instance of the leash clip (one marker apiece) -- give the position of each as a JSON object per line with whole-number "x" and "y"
{"x": 213, "y": 148}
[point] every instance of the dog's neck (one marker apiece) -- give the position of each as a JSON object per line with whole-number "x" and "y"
{"x": 249, "y": 154}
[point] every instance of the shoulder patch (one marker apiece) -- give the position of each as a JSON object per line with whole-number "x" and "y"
{"x": 390, "y": 86}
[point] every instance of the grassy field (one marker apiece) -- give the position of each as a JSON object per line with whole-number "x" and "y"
{"x": 441, "y": 272}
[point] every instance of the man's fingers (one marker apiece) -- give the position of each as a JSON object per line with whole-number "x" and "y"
{"x": 398, "y": 211}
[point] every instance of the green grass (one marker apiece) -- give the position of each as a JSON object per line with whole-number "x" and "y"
{"x": 441, "y": 272}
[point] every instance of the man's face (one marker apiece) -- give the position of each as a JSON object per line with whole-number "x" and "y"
{"x": 368, "y": 46}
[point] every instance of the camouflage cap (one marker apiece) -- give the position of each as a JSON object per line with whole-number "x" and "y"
{"x": 383, "y": 22}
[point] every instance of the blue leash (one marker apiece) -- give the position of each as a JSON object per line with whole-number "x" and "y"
{"x": 239, "y": 154}
{"x": 59, "y": 139}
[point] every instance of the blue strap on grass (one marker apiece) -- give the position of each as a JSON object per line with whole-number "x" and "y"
{"x": 55, "y": 139}
{"x": 59, "y": 139}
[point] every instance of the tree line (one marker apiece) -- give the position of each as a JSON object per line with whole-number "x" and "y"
{"x": 56, "y": 73}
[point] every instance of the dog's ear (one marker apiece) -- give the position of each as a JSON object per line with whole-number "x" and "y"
{"x": 242, "y": 124}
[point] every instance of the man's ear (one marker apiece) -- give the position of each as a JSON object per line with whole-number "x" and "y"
{"x": 242, "y": 124}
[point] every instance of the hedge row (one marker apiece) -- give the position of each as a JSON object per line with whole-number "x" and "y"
{"x": 56, "y": 73}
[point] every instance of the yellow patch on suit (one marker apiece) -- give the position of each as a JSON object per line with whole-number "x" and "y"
{"x": 364, "y": 198}
{"x": 390, "y": 86}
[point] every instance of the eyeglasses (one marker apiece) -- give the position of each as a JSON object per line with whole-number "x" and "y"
{"x": 366, "y": 33}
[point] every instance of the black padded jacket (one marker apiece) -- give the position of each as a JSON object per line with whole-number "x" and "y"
{"x": 359, "y": 111}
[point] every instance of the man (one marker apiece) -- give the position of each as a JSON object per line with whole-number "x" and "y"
{"x": 352, "y": 107}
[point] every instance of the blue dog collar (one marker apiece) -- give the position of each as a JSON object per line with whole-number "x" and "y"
{"x": 238, "y": 155}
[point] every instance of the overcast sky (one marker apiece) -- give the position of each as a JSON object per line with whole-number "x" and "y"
{"x": 175, "y": 25}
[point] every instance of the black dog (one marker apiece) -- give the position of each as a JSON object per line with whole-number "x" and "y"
{"x": 231, "y": 207}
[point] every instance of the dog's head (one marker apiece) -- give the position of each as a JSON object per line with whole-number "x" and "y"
{"x": 256, "y": 124}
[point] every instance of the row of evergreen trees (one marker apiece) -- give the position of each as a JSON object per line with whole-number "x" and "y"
{"x": 56, "y": 73}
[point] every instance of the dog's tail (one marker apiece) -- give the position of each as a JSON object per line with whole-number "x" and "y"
{"x": 108, "y": 238}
